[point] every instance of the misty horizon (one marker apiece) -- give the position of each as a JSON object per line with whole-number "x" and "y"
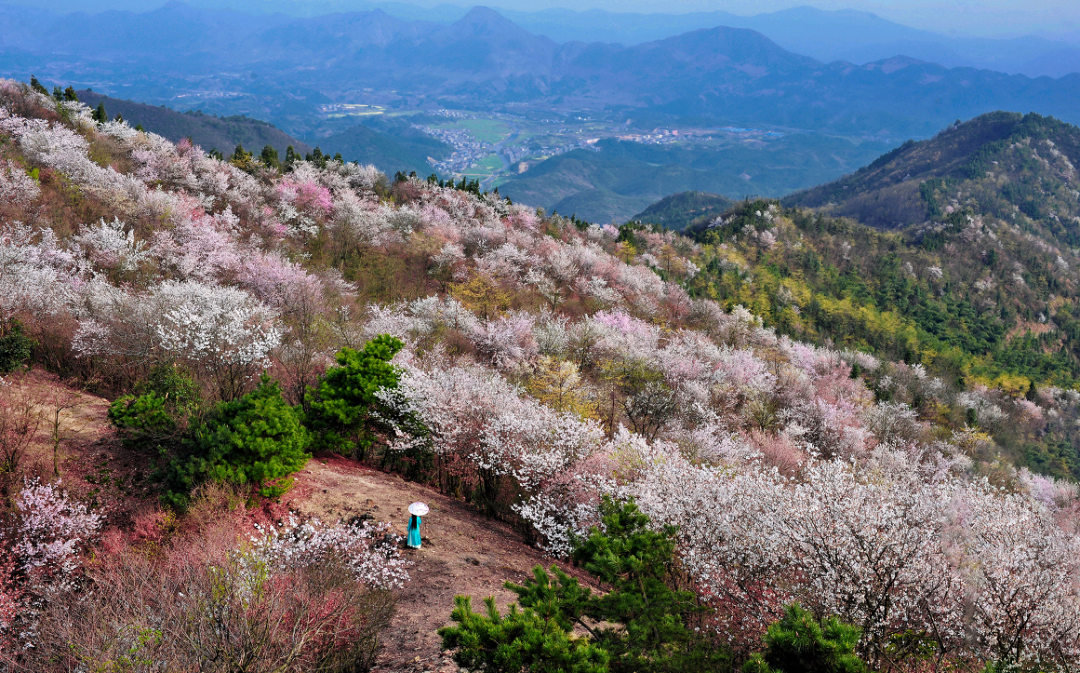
{"x": 1051, "y": 19}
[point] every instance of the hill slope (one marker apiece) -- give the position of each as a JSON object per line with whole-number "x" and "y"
{"x": 679, "y": 211}
{"x": 539, "y": 363}
{"x": 206, "y": 131}
{"x": 623, "y": 178}
{"x": 1018, "y": 169}
{"x": 392, "y": 146}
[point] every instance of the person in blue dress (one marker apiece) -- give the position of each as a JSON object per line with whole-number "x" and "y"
{"x": 414, "y": 532}
{"x": 416, "y": 510}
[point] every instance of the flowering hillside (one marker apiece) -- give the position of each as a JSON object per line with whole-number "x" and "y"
{"x": 544, "y": 363}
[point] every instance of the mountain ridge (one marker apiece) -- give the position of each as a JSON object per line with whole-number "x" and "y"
{"x": 727, "y": 74}
{"x": 206, "y": 131}
{"x": 982, "y": 158}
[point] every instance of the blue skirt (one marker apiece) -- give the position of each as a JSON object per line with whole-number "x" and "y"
{"x": 413, "y": 540}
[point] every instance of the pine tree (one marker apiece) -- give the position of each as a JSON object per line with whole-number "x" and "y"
{"x": 100, "y": 115}
{"x": 258, "y": 439}
{"x": 347, "y": 405}
{"x": 518, "y": 641}
{"x": 37, "y": 86}
{"x": 269, "y": 157}
{"x": 798, "y": 643}
{"x": 638, "y": 626}
{"x": 70, "y": 96}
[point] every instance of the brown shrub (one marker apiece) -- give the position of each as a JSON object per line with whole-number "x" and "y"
{"x": 779, "y": 451}
{"x": 20, "y": 419}
{"x": 204, "y": 602}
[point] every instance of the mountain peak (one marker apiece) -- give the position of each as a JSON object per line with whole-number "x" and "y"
{"x": 481, "y": 20}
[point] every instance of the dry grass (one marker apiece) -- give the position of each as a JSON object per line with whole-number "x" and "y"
{"x": 91, "y": 462}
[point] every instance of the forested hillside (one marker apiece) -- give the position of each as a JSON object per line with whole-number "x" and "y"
{"x": 207, "y": 131}
{"x": 391, "y": 145}
{"x": 1018, "y": 169}
{"x": 242, "y": 315}
{"x": 614, "y": 180}
{"x": 681, "y": 210}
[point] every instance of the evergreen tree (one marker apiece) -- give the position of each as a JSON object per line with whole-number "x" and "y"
{"x": 15, "y": 346}
{"x": 639, "y": 624}
{"x": 317, "y": 157}
{"x": 518, "y": 641}
{"x": 269, "y": 157}
{"x": 100, "y": 116}
{"x": 243, "y": 159}
{"x": 255, "y": 440}
{"x": 346, "y": 406}
{"x": 798, "y": 643}
{"x": 57, "y": 94}
{"x": 37, "y": 86}
{"x": 69, "y": 95}
{"x": 119, "y": 118}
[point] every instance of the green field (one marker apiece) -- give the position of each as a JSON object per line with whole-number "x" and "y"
{"x": 489, "y": 165}
{"x": 484, "y": 130}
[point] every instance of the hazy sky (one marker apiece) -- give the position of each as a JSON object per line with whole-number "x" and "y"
{"x": 963, "y": 17}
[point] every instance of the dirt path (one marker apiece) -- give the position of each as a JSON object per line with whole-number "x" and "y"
{"x": 464, "y": 552}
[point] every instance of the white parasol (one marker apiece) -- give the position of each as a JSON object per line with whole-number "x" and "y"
{"x": 418, "y": 509}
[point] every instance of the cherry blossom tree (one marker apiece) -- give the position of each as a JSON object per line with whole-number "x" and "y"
{"x": 221, "y": 332}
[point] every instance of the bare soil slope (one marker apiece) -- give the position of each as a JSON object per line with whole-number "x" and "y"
{"x": 463, "y": 552}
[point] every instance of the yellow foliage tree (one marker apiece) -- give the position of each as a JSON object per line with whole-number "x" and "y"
{"x": 482, "y": 295}
{"x": 558, "y": 384}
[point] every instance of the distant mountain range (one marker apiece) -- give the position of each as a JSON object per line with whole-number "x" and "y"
{"x": 281, "y": 68}
{"x": 839, "y": 35}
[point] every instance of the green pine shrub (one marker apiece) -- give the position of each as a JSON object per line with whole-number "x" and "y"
{"x": 798, "y": 643}
{"x": 14, "y": 347}
{"x": 256, "y": 440}
{"x": 158, "y": 415}
{"x": 345, "y": 407}
{"x": 521, "y": 640}
{"x": 639, "y": 624}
